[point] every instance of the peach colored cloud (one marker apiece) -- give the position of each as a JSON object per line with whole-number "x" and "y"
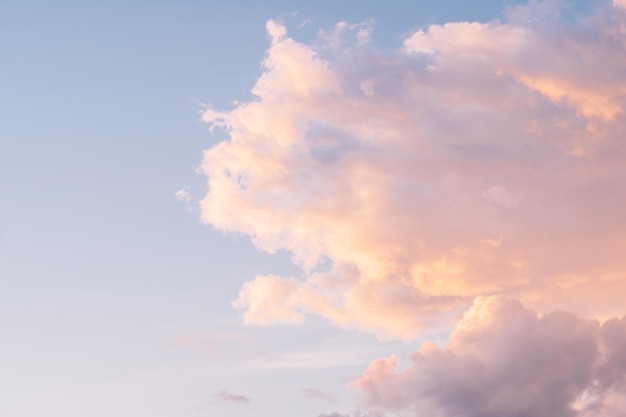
{"x": 478, "y": 158}
{"x": 504, "y": 360}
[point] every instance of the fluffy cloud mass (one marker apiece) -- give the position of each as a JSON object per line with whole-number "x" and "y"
{"x": 502, "y": 360}
{"x": 477, "y": 158}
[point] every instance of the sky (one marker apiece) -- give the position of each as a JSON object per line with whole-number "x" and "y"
{"x": 313, "y": 209}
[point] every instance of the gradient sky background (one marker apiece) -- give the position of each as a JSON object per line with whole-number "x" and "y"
{"x": 116, "y": 299}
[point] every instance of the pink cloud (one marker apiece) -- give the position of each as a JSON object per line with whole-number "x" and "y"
{"x": 478, "y": 158}
{"x": 184, "y": 340}
{"x": 505, "y": 360}
{"x": 619, "y": 3}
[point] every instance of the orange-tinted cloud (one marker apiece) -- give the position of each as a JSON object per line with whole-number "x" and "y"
{"x": 478, "y": 158}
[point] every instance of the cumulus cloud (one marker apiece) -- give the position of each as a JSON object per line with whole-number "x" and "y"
{"x": 504, "y": 360}
{"x": 477, "y": 158}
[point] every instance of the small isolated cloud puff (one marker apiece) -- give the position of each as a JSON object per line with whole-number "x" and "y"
{"x": 184, "y": 340}
{"x": 316, "y": 394}
{"x": 226, "y": 397}
{"x": 183, "y": 195}
{"x": 503, "y": 360}
{"x": 400, "y": 166}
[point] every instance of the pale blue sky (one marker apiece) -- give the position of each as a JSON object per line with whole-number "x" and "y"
{"x": 101, "y": 268}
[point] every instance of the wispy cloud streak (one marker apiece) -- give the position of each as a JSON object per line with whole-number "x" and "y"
{"x": 226, "y": 397}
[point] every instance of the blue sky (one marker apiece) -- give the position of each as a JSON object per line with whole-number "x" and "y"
{"x": 101, "y": 267}
{"x": 114, "y": 298}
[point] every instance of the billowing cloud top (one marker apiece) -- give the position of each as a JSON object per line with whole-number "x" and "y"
{"x": 503, "y": 360}
{"x": 477, "y": 158}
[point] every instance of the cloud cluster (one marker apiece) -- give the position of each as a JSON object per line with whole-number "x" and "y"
{"x": 503, "y": 360}
{"x": 477, "y": 167}
{"x": 477, "y": 158}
